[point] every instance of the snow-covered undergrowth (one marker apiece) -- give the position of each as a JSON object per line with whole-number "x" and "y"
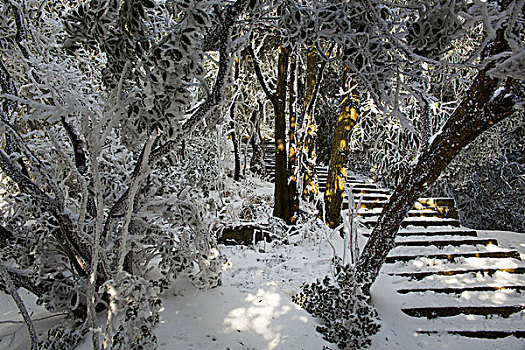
{"x": 253, "y": 308}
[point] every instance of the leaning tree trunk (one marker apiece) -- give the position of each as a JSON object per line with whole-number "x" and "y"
{"x": 337, "y": 171}
{"x": 489, "y": 100}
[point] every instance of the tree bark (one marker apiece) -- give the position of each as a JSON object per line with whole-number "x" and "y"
{"x": 308, "y": 152}
{"x": 257, "y": 159}
{"x": 292, "y": 147}
{"x": 337, "y": 171}
{"x": 483, "y": 107}
{"x": 282, "y": 207}
{"x": 282, "y": 204}
{"x": 236, "y": 154}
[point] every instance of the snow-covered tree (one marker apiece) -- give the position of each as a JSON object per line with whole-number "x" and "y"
{"x": 96, "y": 96}
{"x": 102, "y": 101}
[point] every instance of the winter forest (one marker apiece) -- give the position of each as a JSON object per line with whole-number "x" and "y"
{"x": 147, "y": 145}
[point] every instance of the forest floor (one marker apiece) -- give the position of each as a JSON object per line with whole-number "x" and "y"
{"x": 252, "y": 309}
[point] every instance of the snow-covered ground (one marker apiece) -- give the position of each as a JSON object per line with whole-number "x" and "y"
{"x": 253, "y": 308}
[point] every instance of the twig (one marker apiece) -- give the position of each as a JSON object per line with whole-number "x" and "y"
{"x": 20, "y": 304}
{"x": 34, "y": 320}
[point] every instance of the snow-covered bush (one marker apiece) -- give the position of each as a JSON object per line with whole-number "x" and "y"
{"x": 487, "y": 180}
{"x": 62, "y": 337}
{"x": 348, "y": 320}
{"x": 134, "y": 312}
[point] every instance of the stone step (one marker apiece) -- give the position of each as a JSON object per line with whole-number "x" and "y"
{"x": 421, "y": 222}
{"x": 436, "y": 202}
{"x": 368, "y": 190}
{"x": 443, "y": 213}
{"x": 459, "y": 290}
{"x": 449, "y": 311}
{"x": 447, "y": 242}
{"x": 373, "y": 204}
{"x": 489, "y": 271}
{"x": 375, "y": 197}
{"x": 422, "y": 203}
{"x": 361, "y": 184}
{"x": 321, "y": 180}
{"x": 482, "y": 334}
{"x": 451, "y": 256}
{"x": 433, "y": 233}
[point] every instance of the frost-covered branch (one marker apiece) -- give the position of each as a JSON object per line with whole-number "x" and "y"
{"x": 65, "y": 236}
{"x": 142, "y": 170}
{"x": 488, "y": 101}
{"x": 270, "y": 95}
{"x": 225, "y": 61}
{"x": 10, "y": 289}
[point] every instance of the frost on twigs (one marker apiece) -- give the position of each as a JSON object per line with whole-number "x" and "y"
{"x": 348, "y": 320}
{"x": 438, "y": 24}
{"x": 62, "y": 337}
{"x": 135, "y": 307}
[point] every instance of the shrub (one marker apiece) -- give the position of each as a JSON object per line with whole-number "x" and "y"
{"x": 348, "y": 320}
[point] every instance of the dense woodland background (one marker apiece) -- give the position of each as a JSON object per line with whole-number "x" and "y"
{"x": 123, "y": 121}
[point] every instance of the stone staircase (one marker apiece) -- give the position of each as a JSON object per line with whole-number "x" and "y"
{"x": 447, "y": 277}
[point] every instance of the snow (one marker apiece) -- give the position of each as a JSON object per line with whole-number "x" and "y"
{"x": 497, "y": 93}
{"x": 253, "y": 308}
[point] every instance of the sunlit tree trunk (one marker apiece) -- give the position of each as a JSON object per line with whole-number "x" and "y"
{"x": 337, "y": 171}
{"x": 483, "y": 107}
{"x": 308, "y": 145}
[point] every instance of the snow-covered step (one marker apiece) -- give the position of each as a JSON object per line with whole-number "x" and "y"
{"x": 362, "y": 184}
{"x": 485, "y": 334}
{"x": 422, "y": 203}
{"x": 322, "y": 185}
{"x": 435, "y": 202}
{"x": 497, "y": 289}
{"x": 448, "y": 311}
{"x": 462, "y": 289}
{"x": 489, "y": 326}
{"x": 473, "y": 296}
{"x": 424, "y": 251}
{"x": 452, "y": 256}
{"x": 417, "y": 221}
{"x": 425, "y": 241}
{"x": 434, "y": 233}
{"x": 440, "y": 266}
{"x": 419, "y": 275}
{"x": 369, "y": 190}
{"x": 376, "y": 197}
{"x": 447, "y": 213}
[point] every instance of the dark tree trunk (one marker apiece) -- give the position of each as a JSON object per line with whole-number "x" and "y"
{"x": 257, "y": 159}
{"x": 282, "y": 208}
{"x": 481, "y": 109}
{"x": 337, "y": 171}
{"x": 292, "y": 148}
{"x": 236, "y": 153}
